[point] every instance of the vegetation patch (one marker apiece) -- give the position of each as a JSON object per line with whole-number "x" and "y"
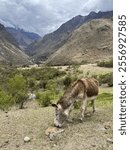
{"x": 5, "y": 100}
{"x": 104, "y": 99}
{"x": 19, "y": 82}
{"x": 45, "y": 98}
{"x": 108, "y": 64}
{"x": 106, "y": 79}
{"x": 47, "y": 83}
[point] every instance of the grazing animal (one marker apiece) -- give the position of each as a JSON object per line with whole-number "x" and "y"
{"x": 83, "y": 90}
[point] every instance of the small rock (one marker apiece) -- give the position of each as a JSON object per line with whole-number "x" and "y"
{"x": 17, "y": 145}
{"x": 107, "y": 126}
{"x": 51, "y": 137}
{"x": 110, "y": 141}
{"x": 106, "y": 132}
{"x": 27, "y": 139}
{"x": 54, "y": 145}
{"x": 6, "y": 142}
{"x": 93, "y": 145}
{"x": 102, "y": 129}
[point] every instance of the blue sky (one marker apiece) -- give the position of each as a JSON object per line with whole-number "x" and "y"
{"x": 44, "y": 16}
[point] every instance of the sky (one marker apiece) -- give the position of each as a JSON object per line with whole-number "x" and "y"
{"x": 45, "y": 16}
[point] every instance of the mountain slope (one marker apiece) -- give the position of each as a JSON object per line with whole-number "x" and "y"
{"x": 91, "y": 42}
{"x": 23, "y": 38}
{"x": 9, "y": 50}
{"x": 50, "y": 43}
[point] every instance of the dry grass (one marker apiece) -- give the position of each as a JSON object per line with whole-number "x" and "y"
{"x": 94, "y": 69}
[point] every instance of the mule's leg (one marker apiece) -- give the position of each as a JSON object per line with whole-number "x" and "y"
{"x": 93, "y": 105}
{"x": 69, "y": 119}
{"x": 83, "y": 108}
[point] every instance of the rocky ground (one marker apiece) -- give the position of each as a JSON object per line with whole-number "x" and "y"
{"x": 95, "y": 133}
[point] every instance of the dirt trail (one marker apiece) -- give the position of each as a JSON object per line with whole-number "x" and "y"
{"x": 95, "y": 133}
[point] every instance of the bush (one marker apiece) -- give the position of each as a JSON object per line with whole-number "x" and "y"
{"x": 106, "y": 78}
{"x": 20, "y": 97}
{"x": 108, "y": 64}
{"x": 51, "y": 85}
{"x": 44, "y": 98}
{"x": 18, "y": 82}
{"x": 42, "y": 84}
{"x": 68, "y": 80}
{"x": 77, "y": 105}
{"x": 5, "y": 100}
{"x": 18, "y": 89}
{"x": 50, "y": 73}
{"x": 31, "y": 84}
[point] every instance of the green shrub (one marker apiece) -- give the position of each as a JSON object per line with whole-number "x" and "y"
{"x": 20, "y": 97}
{"x": 108, "y": 64}
{"x": 68, "y": 80}
{"x": 51, "y": 85}
{"x": 77, "y": 105}
{"x": 31, "y": 82}
{"x": 44, "y": 98}
{"x": 5, "y": 100}
{"x": 106, "y": 79}
{"x": 42, "y": 84}
{"x": 50, "y": 73}
{"x": 18, "y": 89}
{"x": 18, "y": 82}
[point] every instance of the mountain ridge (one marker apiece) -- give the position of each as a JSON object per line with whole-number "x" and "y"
{"x": 22, "y": 37}
{"x": 10, "y": 53}
{"x": 89, "y": 43}
{"x": 49, "y": 44}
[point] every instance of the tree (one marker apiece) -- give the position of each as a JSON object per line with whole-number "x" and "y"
{"x": 18, "y": 89}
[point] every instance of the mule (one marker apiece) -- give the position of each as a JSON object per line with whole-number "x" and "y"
{"x": 83, "y": 90}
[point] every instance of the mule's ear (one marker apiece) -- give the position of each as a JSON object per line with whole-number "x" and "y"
{"x": 54, "y": 105}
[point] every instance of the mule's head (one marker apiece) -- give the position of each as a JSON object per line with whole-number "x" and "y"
{"x": 60, "y": 115}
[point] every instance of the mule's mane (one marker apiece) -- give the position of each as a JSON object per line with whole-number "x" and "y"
{"x": 70, "y": 94}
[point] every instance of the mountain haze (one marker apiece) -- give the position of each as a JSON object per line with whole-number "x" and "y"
{"x": 52, "y": 42}
{"x": 10, "y": 52}
{"x": 22, "y": 37}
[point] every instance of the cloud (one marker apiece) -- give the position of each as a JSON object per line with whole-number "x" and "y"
{"x": 43, "y": 16}
{"x": 98, "y": 5}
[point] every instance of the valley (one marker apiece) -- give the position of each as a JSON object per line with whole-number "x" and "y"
{"x": 35, "y": 72}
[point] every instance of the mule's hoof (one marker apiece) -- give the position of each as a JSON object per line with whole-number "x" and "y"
{"x": 94, "y": 111}
{"x": 81, "y": 119}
